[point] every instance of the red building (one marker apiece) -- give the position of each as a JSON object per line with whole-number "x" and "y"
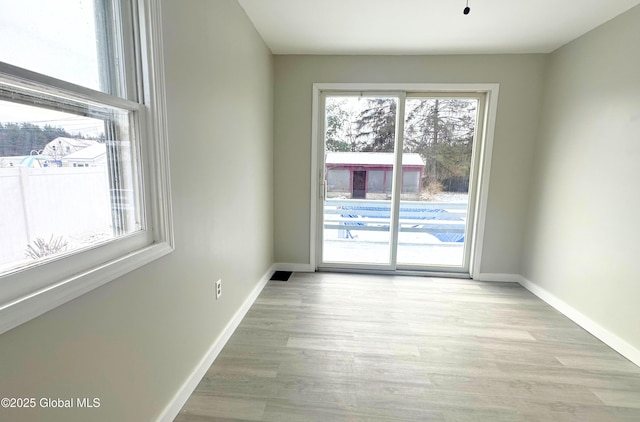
{"x": 369, "y": 175}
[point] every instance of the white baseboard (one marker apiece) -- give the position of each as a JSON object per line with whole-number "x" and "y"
{"x": 499, "y": 277}
{"x": 173, "y": 408}
{"x": 606, "y": 336}
{"x": 301, "y": 268}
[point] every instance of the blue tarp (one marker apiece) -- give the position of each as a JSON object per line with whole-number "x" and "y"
{"x": 428, "y": 214}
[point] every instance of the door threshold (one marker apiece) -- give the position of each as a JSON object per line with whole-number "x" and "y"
{"x": 412, "y": 273}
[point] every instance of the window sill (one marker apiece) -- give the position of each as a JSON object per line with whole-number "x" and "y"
{"x": 33, "y": 305}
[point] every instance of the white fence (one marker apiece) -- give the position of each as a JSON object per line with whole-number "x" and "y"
{"x": 59, "y": 201}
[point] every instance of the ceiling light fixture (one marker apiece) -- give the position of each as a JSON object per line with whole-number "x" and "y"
{"x": 467, "y": 9}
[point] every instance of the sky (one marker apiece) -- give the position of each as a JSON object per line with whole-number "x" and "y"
{"x": 60, "y": 41}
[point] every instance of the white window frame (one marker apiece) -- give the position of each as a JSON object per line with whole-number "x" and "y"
{"x": 28, "y": 293}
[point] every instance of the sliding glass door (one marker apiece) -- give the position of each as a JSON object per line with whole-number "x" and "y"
{"x": 398, "y": 180}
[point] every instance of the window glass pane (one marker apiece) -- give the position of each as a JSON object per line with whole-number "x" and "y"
{"x": 389, "y": 181}
{"x": 68, "y": 180}
{"x": 65, "y": 39}
{"x": 375, "y": 184}
{"x": 410, "y": 181}
{"x": 338, "y": 180}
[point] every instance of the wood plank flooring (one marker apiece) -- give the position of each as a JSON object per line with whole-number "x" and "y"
{"x": 345, "y": 347}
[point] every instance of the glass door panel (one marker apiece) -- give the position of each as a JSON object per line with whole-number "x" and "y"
{"x": 358, "y": 169}
{"x": 438, "y": 143}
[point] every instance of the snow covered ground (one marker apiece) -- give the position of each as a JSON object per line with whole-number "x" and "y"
{"x": 373, "y": 247}
{"x": 452, "y": 197}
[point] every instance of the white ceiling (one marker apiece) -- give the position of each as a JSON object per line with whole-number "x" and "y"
{"x": 426, "y": 26}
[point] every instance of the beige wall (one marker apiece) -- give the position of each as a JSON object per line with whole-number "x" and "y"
{"x": 520, "y": 79}
{"x": 135, "y": 341}
{"x": 582, "y": 243}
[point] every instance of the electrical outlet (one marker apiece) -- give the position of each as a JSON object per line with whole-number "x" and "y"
{"x": 218, "y": 289}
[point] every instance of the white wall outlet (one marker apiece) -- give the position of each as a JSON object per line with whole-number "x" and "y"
{"x": 218, "y": 289}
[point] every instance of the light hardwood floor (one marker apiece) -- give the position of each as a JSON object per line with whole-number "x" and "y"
{"x": 344, "y": 347}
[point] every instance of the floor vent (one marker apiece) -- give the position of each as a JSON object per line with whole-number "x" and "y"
{"x": 281, "y": 275}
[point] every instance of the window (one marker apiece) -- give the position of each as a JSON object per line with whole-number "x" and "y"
{"x": 375, "y": 183}
{"x": 410, "y": 181}
{"x": 83, "y": 149}
{"x": 388, "y": 181}
{"x": 338, "y": 180}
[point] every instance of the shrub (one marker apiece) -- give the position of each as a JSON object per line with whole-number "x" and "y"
{"x": 41, "y": 248}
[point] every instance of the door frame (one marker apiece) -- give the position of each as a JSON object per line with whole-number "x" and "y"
{"x": 485, "y": 150}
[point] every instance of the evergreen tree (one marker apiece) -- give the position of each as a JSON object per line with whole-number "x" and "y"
{"x": 376, "y": 124}
{"x": 441, "y": 131}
